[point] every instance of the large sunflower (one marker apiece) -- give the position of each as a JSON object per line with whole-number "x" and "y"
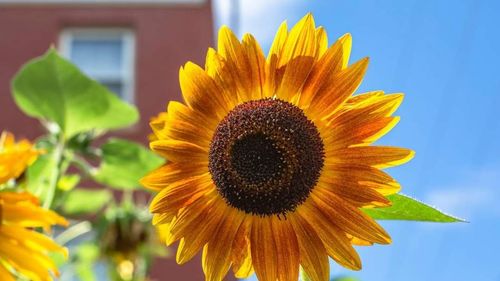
{"x": 270, "y": 158}
{"x": 23, "y": 250}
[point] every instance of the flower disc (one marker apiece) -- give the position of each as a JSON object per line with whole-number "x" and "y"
{"x": 265, "y": 157}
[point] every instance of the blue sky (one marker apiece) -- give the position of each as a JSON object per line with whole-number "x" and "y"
{"x": 444, "y": 55}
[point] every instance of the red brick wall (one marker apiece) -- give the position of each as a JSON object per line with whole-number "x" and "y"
{"x": 166, "y": 37}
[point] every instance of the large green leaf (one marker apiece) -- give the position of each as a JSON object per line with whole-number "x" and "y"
{"x": 52, "y": 88}
{"x": 124, "y": 163}
{"x": 86, "y": 201}
{"x": 407, "y": 208}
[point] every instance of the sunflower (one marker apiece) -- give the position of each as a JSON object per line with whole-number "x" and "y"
{"x": 14, "y": 156}
{"x": 23, "y": 251}
{"x": 270, "y": 159}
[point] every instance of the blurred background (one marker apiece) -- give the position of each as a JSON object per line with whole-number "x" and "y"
{"x": 442, "y": 54}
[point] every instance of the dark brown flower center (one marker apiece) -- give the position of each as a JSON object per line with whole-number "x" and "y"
{"x": 266, "y": 157}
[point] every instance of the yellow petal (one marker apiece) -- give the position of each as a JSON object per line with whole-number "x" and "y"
{"x": 313, "y": 256}
{"x": 257, "y": 65}
{"x": 263, "y": 248}
{"x": 295, "y": 75}
{"x": 272, "y": 77}
{"x": 241, "y": 256}
{"x": 197, "y": 224}
{"x": 32, "y": 239}
{"x": 16, "y": 197}
{"x": 334, "y": 240}
{"x": 365, "y": 176}
{"x": 278, "y": 42}
{"x": 366, "y": 106}
{"x": 29, "y": 263}
{"x": 336, "y": 90}
{"x": 375, "y": 156}
{"x": 28, "y": 215}
{"x": 346, "y": 41}
{"x": 170, "y": 173}
{"x": 5, "y": 275}
{"x": 233, "y": 52}
{"x": 180, "y": 151}
{"x": 350, "y": 219}
{"x": 201, "y": 93}
{"x": 300, "y": 42}
{"x": 180, "y": 112}
{"x": 329, "y": 64}
{"x": 7, "y": 140}
{"x": 359, "y": 242}
{"x": 287, "y": 250}
{"x": 362, "y": 130}
{"x": 178, "y": 129}
{"x": 322, "y": 42}
{"x": 352, "y": 191}
{"x": 217, "y": 253}
{"x": 181, "y": 193}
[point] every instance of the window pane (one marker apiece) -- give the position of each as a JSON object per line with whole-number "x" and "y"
{"x": 99, "y": 58}
{"x": 105, "y": 54}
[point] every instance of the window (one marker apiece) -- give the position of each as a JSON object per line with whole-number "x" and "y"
{"x": 105, "y": 54}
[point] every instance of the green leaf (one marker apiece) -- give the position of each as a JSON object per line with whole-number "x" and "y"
{"x": 68, "y": 182}
{"x": 52, "y": 88}
{"x": 58, "y": 258}
{"x": 124, "y": 163}
{"x": 86, "y": 255}
{"x": 407, "y": 208}
{"x": 85, "y": 201}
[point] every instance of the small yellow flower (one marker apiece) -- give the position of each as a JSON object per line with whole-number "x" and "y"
{"x": 15, "y": 156}
{"x": 23, "y": 250}
{"x": 270, "y": 159}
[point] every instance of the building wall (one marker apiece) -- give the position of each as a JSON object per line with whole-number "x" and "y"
{"x": 166, "y": 37}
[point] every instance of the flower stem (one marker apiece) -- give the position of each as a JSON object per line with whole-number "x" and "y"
{"x": 73, "y": 232}
{"x": 57, "y": 157}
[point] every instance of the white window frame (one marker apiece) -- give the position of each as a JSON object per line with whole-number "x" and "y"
{"x": 97, "y": 33}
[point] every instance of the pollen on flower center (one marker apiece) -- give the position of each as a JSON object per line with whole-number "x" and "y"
{"x": 266, "y": 157}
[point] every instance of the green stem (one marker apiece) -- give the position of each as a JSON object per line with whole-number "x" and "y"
{"x": 73, "y": 232}
{"x": 57, "y": 157}
{"x": 128, "y": 197}
{"x": 83, "y": 165}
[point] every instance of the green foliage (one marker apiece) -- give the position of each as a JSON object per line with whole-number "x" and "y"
{"x": 68, "y": 182}
{"x": 86, "y": 201}
{"x": 39, "y": 174}
{"x": 85, "y": 257}
{"x": 53, "y": 89}
{"x": 124, "y": 163}
{"x": 75, "y": 111}
{"x": 407, "y": 208}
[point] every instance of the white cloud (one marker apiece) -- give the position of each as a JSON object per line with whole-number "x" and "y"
{"x": 260, "y": 17}
{"x": 475, "y": 193}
